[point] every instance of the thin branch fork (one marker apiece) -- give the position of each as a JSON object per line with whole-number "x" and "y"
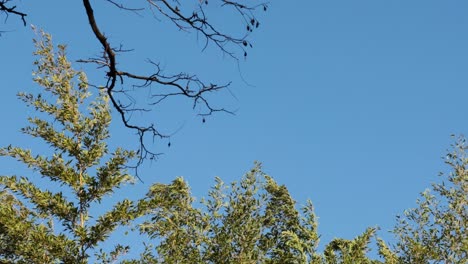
{"x": 199, "y": 23}
{"x": 181, "y": 84}
{"x": 12, "y": 10}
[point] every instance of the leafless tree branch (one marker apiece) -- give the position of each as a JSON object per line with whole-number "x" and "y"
{"x": 190, "y": 16}
{"x": 198, "y": 21}
{"x": 4, "y": 8}
{"x": 121, "y": 6}
{"x": 177, "y": 85}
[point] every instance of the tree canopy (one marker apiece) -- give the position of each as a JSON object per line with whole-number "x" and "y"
{"x": 254, "y": 220}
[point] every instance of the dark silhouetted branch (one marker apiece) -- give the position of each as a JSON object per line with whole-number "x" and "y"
{"x": 4, "y": 8}
{"x": 177, "y": 85}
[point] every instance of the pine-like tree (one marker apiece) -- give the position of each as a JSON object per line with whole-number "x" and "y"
{"x": 49, "y": 225}
{"x": 251, "y": 221}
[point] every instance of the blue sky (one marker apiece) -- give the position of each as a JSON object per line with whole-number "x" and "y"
{"x": 350, "y": 103}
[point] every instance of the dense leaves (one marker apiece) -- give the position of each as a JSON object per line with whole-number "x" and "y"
{"x": 240, "y": 223}
{"x": 45, "y": 226}
{"x": 254, "y": 220}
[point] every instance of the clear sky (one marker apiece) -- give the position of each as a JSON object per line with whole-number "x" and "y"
{"x": 351, "y": 103}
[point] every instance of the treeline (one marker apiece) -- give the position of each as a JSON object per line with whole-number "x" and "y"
{"x": 254, "y": 220}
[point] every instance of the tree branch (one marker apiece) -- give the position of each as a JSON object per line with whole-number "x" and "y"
{"x": 181, "y": 84}
{"x": 12, "y": 10}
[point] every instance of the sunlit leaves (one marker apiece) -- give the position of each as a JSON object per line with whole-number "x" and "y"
{"x": 75, "y": 128}
{"x": 436, "y": 230}
{"x": 251, "y": 221}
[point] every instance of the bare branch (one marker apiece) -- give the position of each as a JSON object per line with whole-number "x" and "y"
{"x": 11, "y": 10}
{"x": 199, "y": 22}
{"x": 121, "y": 6}
{"x": 178, "y": 85}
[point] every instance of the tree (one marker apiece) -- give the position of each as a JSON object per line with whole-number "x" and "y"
{"x": 251, "y": 221}
{"x": 254, "y": 220}
{"x": 192, "y": 16}
{"x": 58, "y": 218}
{"x": 436, "y": 230}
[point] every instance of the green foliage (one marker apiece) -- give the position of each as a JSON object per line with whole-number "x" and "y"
{"x": 350, "y": 251}
{"x": 436, "y": 230}
{"x": 251, "y": 221}
{"x": 48, "y": 226}
{"x": 237, "y": 226}
{"x": 254, "y": 220}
